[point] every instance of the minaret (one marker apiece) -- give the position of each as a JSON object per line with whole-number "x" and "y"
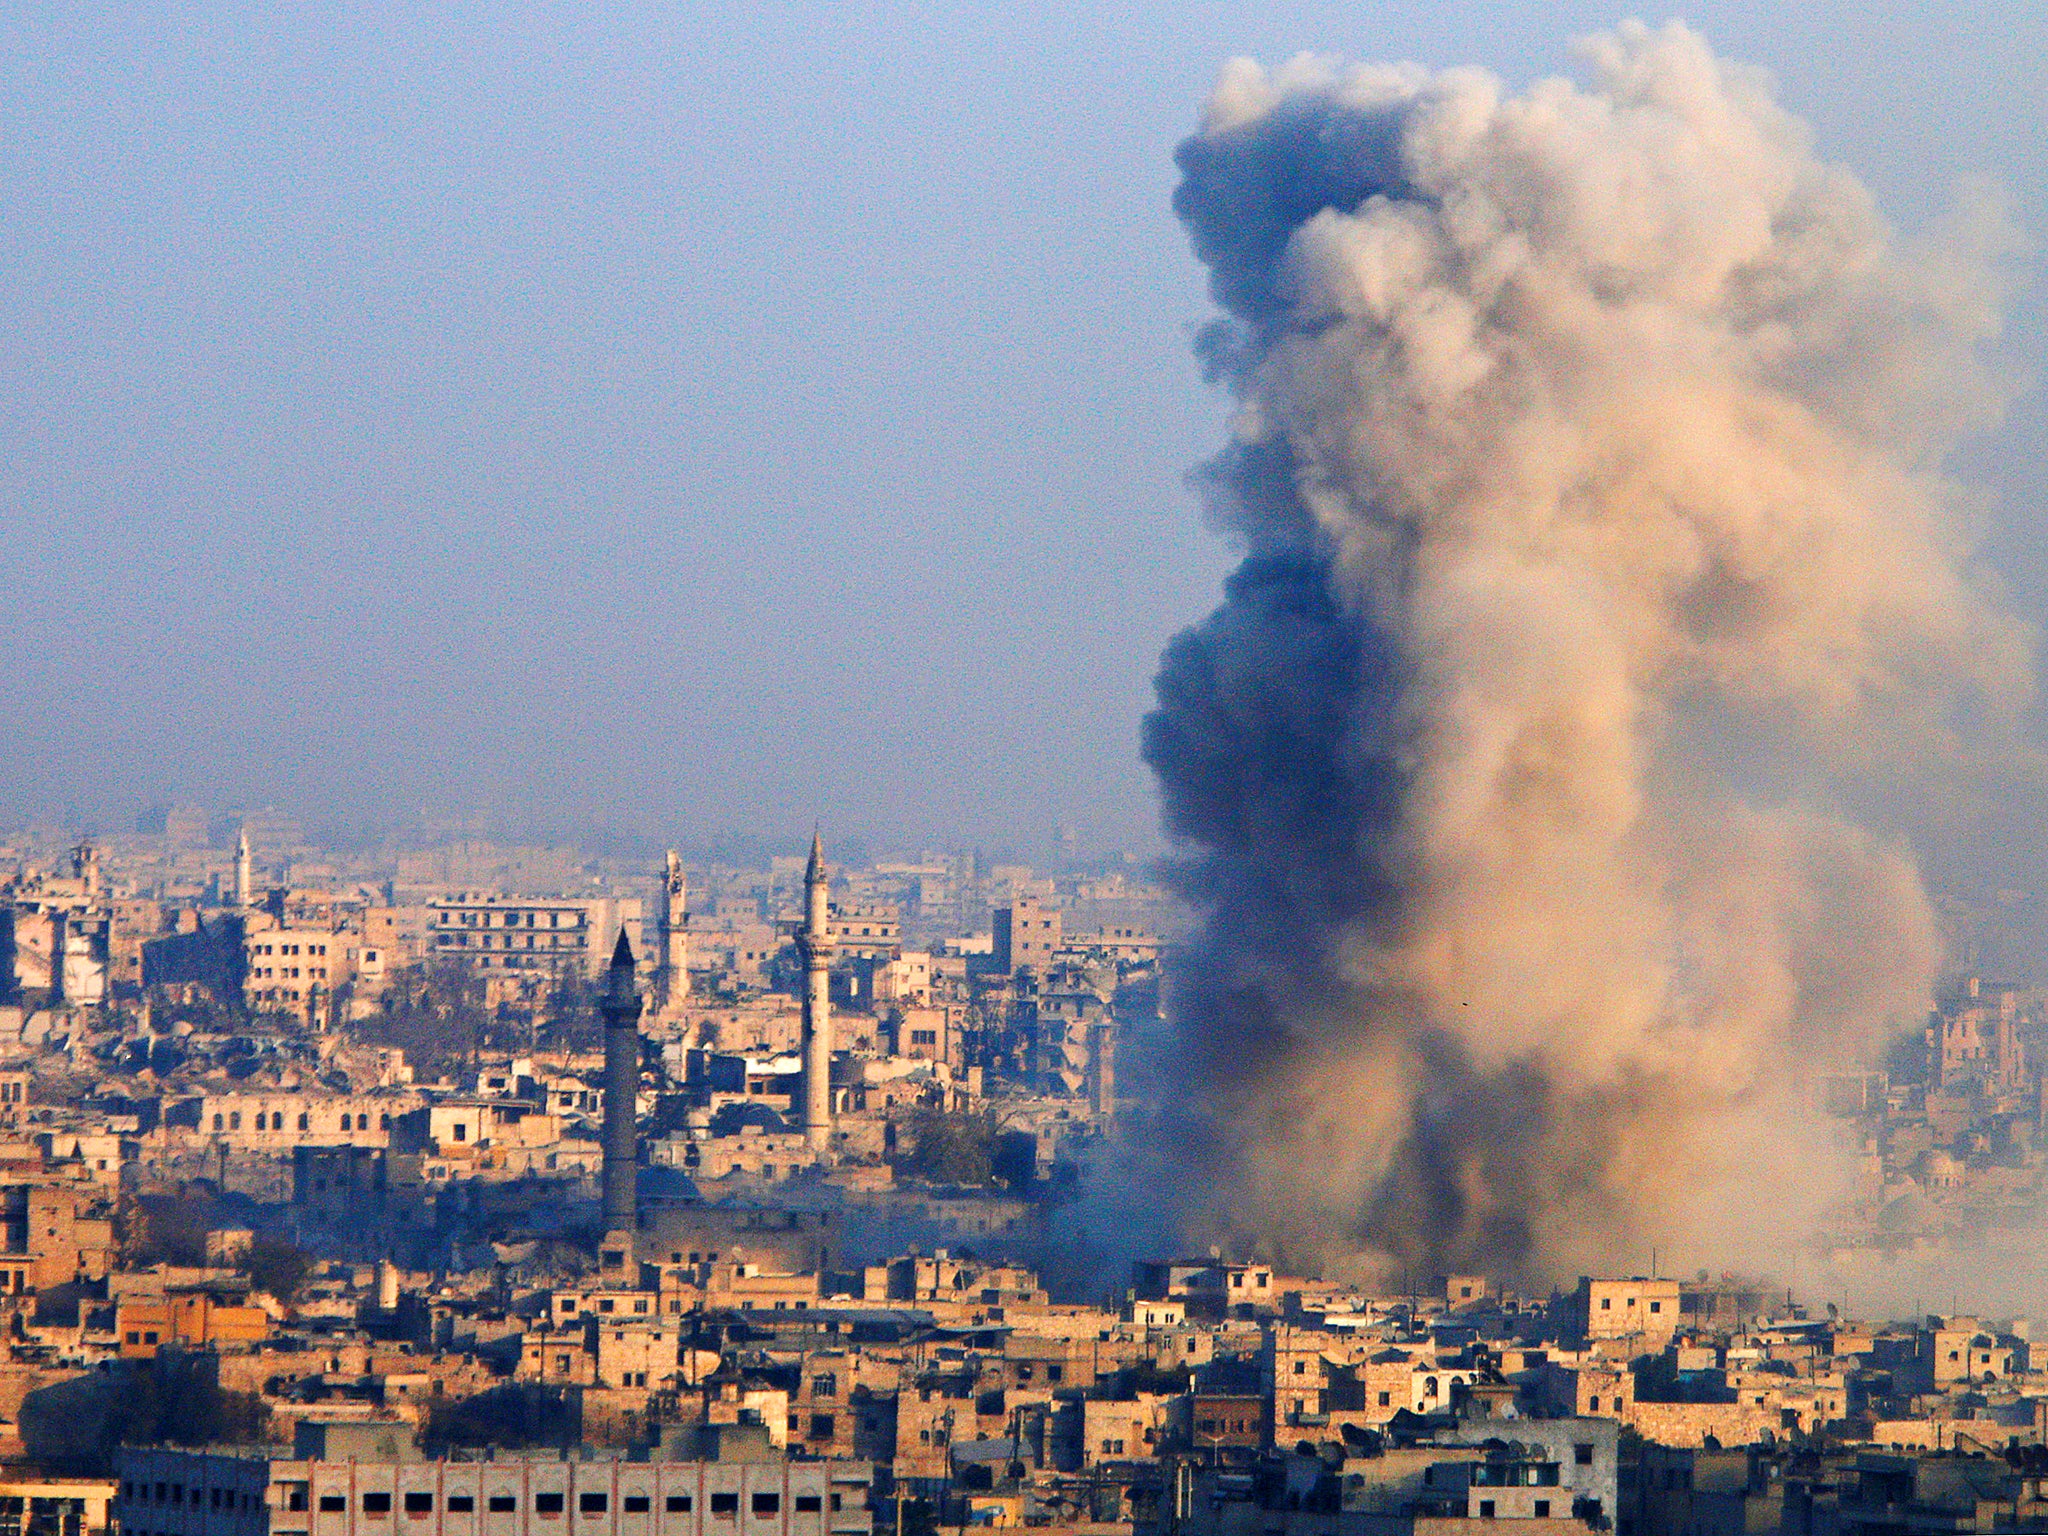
{"x": 814, "y": 942}
{"x": 244, "y": 874}
{"x": 674, "y": 954}
{"x": 620, "y": 1006}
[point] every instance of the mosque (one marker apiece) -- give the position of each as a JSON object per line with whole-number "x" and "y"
{"x": 635, "y": 1232}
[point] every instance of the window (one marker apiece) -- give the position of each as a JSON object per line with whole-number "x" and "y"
{"x": 376, "y": 1503}
{"x": 822, "y": 1425}
{"x": 725, "y": 1505}
{"x": 1386, "y": 1399}
{"x": 461, "y": 1131}
{"x": 1486, "y": 1509}
{"x": 419, "y": 1503}
{"x": 305, "y": 1122}
{"x": 1543, "y": 1509}
{"x": 1301, "y": 1367}
{"x": 677, "y": 1504}
{"x": 767, "y": 1503}
{"x": 1582, "y": 1455}
{"x": 637, "y": 1504}
{"x": 809, "y": 1504}
{"x": 1606, "y": 1303}
{"x": 502, "y": 1503}
{"x": 591, "y": 1503}
{"x": 825, "y": 1386}
{"x": 1593, "y": 1404}
{"x": 1656, "y": 1306}
{"x": 461, "y": 1504}
{"x": 333, "y": 1504}
{"x": 546, "y": 1504}
{"x": 1054, "y": 1372}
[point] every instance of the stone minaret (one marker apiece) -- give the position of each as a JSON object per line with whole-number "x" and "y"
{"x": 674, "y": 938}
{"x": 245, "y": 878}
{"x": 814, "y": 941}
{"x": 620, "y": 1006}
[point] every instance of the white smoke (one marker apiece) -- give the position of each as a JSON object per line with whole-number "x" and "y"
{"x": 1586, "y": 468}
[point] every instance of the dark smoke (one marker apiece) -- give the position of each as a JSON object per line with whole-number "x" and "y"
{"x": 1583, "y": 470}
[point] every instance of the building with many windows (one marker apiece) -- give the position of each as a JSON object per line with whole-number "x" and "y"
{"x": 507, "y": 935}
{"x": 275, "y": 1491}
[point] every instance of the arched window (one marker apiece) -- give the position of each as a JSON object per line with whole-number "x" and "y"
{"x": 219, "y": 1124}
{"x": 347, "y": 1123}
{"x": 235, "y": 1120}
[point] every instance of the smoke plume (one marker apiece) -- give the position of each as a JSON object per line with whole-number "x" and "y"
{"x": 1585, "y": 468}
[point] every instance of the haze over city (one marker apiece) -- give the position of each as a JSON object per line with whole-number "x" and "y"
{"x": 680, "y": 420}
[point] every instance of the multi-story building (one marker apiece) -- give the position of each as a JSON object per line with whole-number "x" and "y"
{"x": 280, "y": 1121}
{"x": 55, "y": 1233}
{"x": 16, "y": 1096}
{"x": 1027, "y": 934}
{"x": 508, "y": 935}
{"x": 866, "y": 930}
{"x": 1631, "y": 1308}
{"x": 193, "y": 1316}
{"x": 272, "y": 1492}
{"x": 43, "y": 1506}
{"x": 289, "y": 968}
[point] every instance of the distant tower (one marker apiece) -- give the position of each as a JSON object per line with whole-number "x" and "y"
{"x": 85, "y": 868}
{"x": 814, "y": 942}
{"x": 620, "y": 1006}
{"x": 673, "y": 969}
{"x": 244, "y": 874}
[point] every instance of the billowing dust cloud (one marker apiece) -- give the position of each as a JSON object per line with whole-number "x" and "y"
{"x": 1585, "y": 468}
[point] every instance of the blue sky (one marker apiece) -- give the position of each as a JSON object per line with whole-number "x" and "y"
{"x": 690, "y": 418}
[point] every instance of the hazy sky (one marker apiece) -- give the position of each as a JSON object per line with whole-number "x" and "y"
{"x": 690, "y": 418}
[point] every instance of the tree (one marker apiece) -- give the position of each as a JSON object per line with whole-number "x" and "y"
{"x": 275, "y": 1266}
{"x": 571, "y": 1018}
{"x": 514, "y": 1416}
{"x": 74, "y": 1426}
{"x": 167, "y": 1229}
{"x": 435, "y": 1013}
{"x": 951, "y": 1149}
